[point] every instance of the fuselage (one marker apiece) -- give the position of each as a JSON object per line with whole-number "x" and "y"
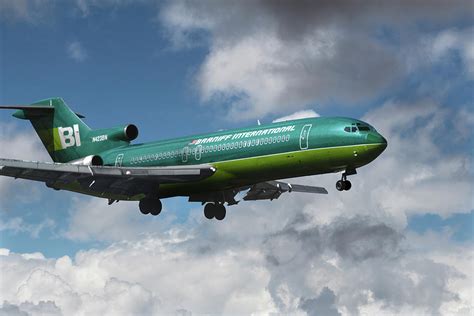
{"x": 247, "y": 156}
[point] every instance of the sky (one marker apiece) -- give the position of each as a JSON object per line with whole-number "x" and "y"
{"x": 399, "y": 243}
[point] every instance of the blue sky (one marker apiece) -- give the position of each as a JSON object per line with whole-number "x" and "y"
{"x": 178, "y": 68}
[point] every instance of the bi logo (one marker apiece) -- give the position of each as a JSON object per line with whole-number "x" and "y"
{"x": 69, "y": 136}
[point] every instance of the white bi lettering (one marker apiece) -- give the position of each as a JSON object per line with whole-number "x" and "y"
{"x": 69, "y": 136}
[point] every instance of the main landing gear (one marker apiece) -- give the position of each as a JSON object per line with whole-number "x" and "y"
{"x": 343, "y": 184}
{"x": 150, "y": 206}
{"x": 214, "y": 210}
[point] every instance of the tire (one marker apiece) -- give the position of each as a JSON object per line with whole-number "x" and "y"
{"x": 144, "y": 206}
{"x": 156, "y": 209}
{"x": 220, "y": 212}
{"x": 347, "y": 185}
{"x": 340, "y": 185}
{"x": 209, "y": 210}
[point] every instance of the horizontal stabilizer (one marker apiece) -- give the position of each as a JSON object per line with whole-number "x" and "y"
{"x": 33, "y": 109}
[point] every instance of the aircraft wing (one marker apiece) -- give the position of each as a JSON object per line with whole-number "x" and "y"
{"x": 103, "y": 180}
{"x": 272, "y": 190}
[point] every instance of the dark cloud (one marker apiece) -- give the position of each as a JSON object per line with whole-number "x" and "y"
{"x": 8, "y": 309}
{"x": 359, "y": 239}
{"x": 324, "y": 304}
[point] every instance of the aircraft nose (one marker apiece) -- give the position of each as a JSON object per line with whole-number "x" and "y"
{"x": 376, "y": 143}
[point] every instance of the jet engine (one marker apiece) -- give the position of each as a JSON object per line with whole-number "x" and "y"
{"x": 92, "y": 160}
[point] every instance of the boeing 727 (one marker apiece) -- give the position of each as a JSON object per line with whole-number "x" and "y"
{"x": 211, "y": 169}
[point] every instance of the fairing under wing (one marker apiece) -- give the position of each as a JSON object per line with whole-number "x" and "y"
{"x": 103, "y": 180}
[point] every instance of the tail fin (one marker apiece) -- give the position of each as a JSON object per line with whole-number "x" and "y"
{"x": 63, "y": 133}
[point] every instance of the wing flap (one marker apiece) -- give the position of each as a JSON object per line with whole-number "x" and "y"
{"x": 272, "y": 190}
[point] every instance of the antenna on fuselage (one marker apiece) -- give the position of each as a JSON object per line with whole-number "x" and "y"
{"x": 258, "y": 122}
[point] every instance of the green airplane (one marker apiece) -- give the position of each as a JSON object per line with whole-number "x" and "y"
{"x": 209, "y": 168}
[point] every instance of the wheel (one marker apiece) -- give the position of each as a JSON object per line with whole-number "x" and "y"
{"x": 157, "y": 206}
{"x": 347, "y": 185}
{"x": 144, "y": 206}
{"x": 209, "y": 210}
{"x": 150, "y": 206}
{"x": 340, "y": 185}
{"x": 220, "y": 212}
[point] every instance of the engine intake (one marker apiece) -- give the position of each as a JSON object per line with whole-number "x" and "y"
{"x": 92, "y": 160}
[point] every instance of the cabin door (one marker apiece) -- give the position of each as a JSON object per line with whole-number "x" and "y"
{"x": 185, "y": 154}
{"x": 197, "y": 155}
{"x": 304, "y": 136}
{"x": 119, "y": 160}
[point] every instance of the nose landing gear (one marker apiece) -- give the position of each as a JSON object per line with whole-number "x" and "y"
{"x": 344, "y": 184}
{"x": 215, "y": 210}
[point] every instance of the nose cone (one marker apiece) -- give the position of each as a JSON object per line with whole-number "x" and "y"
{"x": 376, "y": 143}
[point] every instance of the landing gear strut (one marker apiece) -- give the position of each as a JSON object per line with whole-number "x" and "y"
{"x": 150, "y": 206}
{"x": 214, "y": 210}
{"x": 343, "y": 184}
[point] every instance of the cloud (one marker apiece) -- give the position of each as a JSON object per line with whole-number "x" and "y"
{"x": 274, "y": 57}
{"x": 21, "y": 145}
{"x": 324, "y": 304}
{"x": 297, "y": 115}
{"x": 459, "y": 41}
{"x": 33, "y": 12}
{"x": 86, "y": 7}
{"x": 17, "y": 225}
{"x": 128, "y": 222}
{"x": 26, "y": 309}
{"x": 154, "y": 274}
{"x": 76, "y": 51}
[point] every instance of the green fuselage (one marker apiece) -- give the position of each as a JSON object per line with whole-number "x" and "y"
{"x": 247, "y": 156}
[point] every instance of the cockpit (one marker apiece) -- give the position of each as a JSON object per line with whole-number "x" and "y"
{"x": 358, "y": 127}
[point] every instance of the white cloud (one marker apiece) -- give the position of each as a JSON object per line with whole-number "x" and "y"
{"x": 20, "y": 145}
{"x": 297, "y": 115}
{"x": 76, "y": 51}
{"x": 16, "y": 225}
{"x": 274, "y": 57}
{"x": 455, "y": 40}
{"x": 202, "y": 271}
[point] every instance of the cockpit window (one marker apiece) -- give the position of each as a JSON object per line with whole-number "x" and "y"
{"x": 364, "y": 128}
{"x": 354, "y": 129}
{"x": 347, "y": 129}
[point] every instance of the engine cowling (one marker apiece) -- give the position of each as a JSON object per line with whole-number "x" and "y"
{"x": 127, "y": 133}
{"x": 92, "y": 160}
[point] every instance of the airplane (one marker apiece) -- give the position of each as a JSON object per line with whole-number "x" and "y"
{"x": 208, "y": 168}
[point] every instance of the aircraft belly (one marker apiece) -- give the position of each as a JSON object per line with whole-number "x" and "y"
{"x": 248, "y": 171}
